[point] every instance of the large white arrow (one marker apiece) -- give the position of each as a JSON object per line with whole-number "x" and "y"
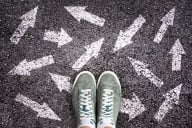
{"x": 92, "y": 51}
{"x": 28, "y": 20}
{"x": 25, "y": 67}
{"x": 61, "y": 37}
{"x": 133, "y": 107}
{"x": 125, "y": 38}
{"x": 171, "y": 98}
{"x": 44, "y": 111}
{"x": 79, "y": 12}
{"x": 177, "y": 51}
{"x": 62, "y": 82}
{"x": 167, "y": 20}
{"x": 141, "y": 69}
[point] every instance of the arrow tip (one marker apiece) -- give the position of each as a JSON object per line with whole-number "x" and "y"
{"x": 47, "y": 112}
{"x": 76, "y": 11}
{"x": 30, "y": 16}
{"x": 64, "y": 38}
{"x": 169, "y": 17}
{"x": 20, "y": 69}
{"x": 177, "y": 48}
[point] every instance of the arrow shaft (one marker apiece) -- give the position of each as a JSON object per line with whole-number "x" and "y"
{"x": 137, "y": 24}
{"x": 82, "y": 61}
{"x": 28, "y": 102}
{"x": 48, "y": 60}
{"x": 152, "y": 77}
{"x": 51, "y": 36}
{"x": 161, "y": 33}
{"x": 176, "y": 62}
{"x": 19, "y": 32}
{"x": 92, "y": 18}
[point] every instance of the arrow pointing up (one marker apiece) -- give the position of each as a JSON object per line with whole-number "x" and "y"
{"x": 141, "y": 69}
{"x": 167, "y": 20}
{"x": 28, "y": 20}
{"x": 133, "y": 107}
{"x": 171, "y": 98}
{"x": 79, "y": 12}
{"x": 61, "y": 38}
{"x": 62, "y": 82}
{"x": 25, "y": 67}
{"x": 177, "y": 51}
{"x": 125, "y": 38}
{"x": 92, "y": 51}
{"x": 44, "y": 111}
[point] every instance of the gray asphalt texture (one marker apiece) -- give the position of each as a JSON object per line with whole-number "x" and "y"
{"x": 119, "y": 15}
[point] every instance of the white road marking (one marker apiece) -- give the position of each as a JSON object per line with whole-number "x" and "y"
{"x": 171, "y": 98}
{"x": 79, "y": 12}
{"x": 141, "y": 69}
{"x": 125, "y": 38}
{"x": 92, "y": 51}
{"x": 28, "y": 20}
{"x": 133, "y": 107}
{"x": 61, "y": 38}
{"x": 44, "y": 111}
{"x": 167, "y": 20}
{"x": 25, "y": 67}
{"x": 62, "y": 82}
{"x": 177, "y": 51}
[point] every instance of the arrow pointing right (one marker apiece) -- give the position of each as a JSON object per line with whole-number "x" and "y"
{"x": 177, "y": 50}
{"x": 44, "y": 111}
{"x": 133, "y": 107}
{"x": 167, "y": 20}
{"x": 61, "y": 38}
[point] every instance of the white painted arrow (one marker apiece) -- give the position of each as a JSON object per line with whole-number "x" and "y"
{"x": 28, "y": 20}
{"x": 141, "y": 69}
{"x": 171, "y": 98}
{"x": 44, "y": 111}
{"x": 92, "y": 51}
{"x": 79, "y": 12}
{"x": 25, "y": 67}
{"x": 133, "y": 107}
{"x": 167, "y": 20}
{"x": 62, "y": 82}
{"x": 61, "y": 38}
{"x": 125, "y": 38}
{"x": 177, "y": 51}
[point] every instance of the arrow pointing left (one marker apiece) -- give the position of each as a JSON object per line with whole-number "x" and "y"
{"x": 61, "y": 37}
{"x": 25, "y": 67}
{"x": 44, "y": 111}
{"x": 28, "y": 20}
{"x": 92, "y": 51}
{"x": 133, "y": 107}
{"x": 171, "y": 98}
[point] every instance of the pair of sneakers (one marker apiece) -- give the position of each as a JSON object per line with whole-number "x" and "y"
{"x": 105, "y": 96}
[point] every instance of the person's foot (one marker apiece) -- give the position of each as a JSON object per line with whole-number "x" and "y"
{"x": 84, "y": 99}
{"x": 108, "y": 100}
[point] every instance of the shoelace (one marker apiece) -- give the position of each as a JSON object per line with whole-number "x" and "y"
{"x": 107, "y": 105}
{"x": 86, "y": 110}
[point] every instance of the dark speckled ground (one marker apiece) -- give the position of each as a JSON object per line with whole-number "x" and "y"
{"x": 119, "y": 15}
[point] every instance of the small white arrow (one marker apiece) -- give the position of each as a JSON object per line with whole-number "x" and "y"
{"x": 79, "y": 12}
{"x": 25, "y": 67}
{"x": 177, "y": 51}
{"x": 167, "y": 20}
{"x": 28, "y": 20}
{"x": 62, "y": 82}
{"x": 141, "y": 69}
{"x": 92, "y": 51}
{"x": 44, "y": 111}
{"x": 61, "y": 38}
{"x": 171, "y": 98}
{"x": 133, "y": 107}
{"x": 125, "y": 38}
